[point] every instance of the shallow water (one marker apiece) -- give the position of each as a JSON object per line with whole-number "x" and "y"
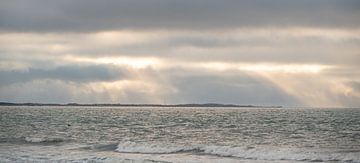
{"x": 142, "y": 134}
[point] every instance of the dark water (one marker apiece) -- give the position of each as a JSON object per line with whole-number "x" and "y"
{"x": 227, "y": 134}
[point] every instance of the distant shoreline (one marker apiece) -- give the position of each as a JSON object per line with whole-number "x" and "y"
{"x": 135, "y": 105}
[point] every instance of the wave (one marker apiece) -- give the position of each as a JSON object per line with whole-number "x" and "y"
{"x": 276, "y": 153}
{"x": 251, "y": 153}
{"x": 43, "y": 140}
{"x": 101, "y": 147}
{"x": 132, "y": 147}
{"x": 34, "y": 140}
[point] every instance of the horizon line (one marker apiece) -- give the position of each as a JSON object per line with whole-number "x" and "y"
{"x": 137, "y": 104}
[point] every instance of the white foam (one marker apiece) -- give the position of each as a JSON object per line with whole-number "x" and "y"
{"x": 276, "y": 153}
{"x": 68, "y": 153}
{"x": 132, "y": 147}
{"x": 145, "y": 152}
{"x": 43, "y": 139}
{"x": 258, "y": 153}
{"x": 34, "y": 140}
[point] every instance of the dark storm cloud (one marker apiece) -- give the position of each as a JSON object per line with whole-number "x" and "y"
{"x": 92, "y": 15}
{"x": 64, "y": 73}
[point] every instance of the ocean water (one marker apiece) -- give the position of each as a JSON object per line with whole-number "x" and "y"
{"x": 147, "y": 134}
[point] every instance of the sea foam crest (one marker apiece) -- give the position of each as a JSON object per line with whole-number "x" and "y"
{"x": 132, "y": 147}
{"x": 43, "y": 140}
{"x": 276, "y": 153}
{"x": 258, "y": 153}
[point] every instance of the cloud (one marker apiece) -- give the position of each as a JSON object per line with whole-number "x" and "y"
{"x": 52, "y": 91}
{"x": 143, "y": 66}
{"x": 176, "y": 85}
{"x": 75, "y": 73}
{"x": 225, "y": 86}
{"x": 149, "y": 51}
{"x": 92, "y": 15}
{"x": 281, "y": 45}
{"x": 317, "y": 89}
{"x": 258, "y": 84}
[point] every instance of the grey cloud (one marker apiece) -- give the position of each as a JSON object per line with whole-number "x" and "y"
{"x": 205, "y": 41}
{"x": 64, "y": 73}
{"x": 355, "y": 86}
{"x": 80, "y": 84}
{"x": 92, "y": 15}
{"x": 175, "y": 85}
{"x": 52, "y": 91}
{"x": 335, "y": 47}
{"x": 42, "y": 67}
{"x": 203, "y": 48}
{"x": 226, "y": 87}
{"x": 190, "y": 85}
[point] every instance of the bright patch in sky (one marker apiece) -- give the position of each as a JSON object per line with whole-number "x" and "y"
{"x": 119, "y": 61}
{"x": 267, "y": 68}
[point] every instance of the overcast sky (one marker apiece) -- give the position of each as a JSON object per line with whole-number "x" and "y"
{"x": 259, "y": 52}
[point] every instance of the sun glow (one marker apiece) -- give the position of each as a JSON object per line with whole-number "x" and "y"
{"x": 120, "y": 61}
{"x": 132, "y": 62}
{"x": 267, "y": 68}
{"x": 307, "y": 68}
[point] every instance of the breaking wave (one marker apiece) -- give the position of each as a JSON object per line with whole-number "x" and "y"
{"x": 253, "y": 153}
{"x": 43, "y": 140}
{"x": 132, "y": 147}
{"x": 34, "y": 140}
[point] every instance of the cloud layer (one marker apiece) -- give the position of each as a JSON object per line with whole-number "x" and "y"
{"x": 303, "y": 53}
{"x": 93, "y": 15}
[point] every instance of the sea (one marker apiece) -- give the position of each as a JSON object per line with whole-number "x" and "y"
{"x": 178, "y": 134}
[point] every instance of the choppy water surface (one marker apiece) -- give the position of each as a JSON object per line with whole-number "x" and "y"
{"x": 105, "y": 134}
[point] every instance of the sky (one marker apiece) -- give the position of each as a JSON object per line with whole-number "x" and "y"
{"x": 253, "y": 52}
